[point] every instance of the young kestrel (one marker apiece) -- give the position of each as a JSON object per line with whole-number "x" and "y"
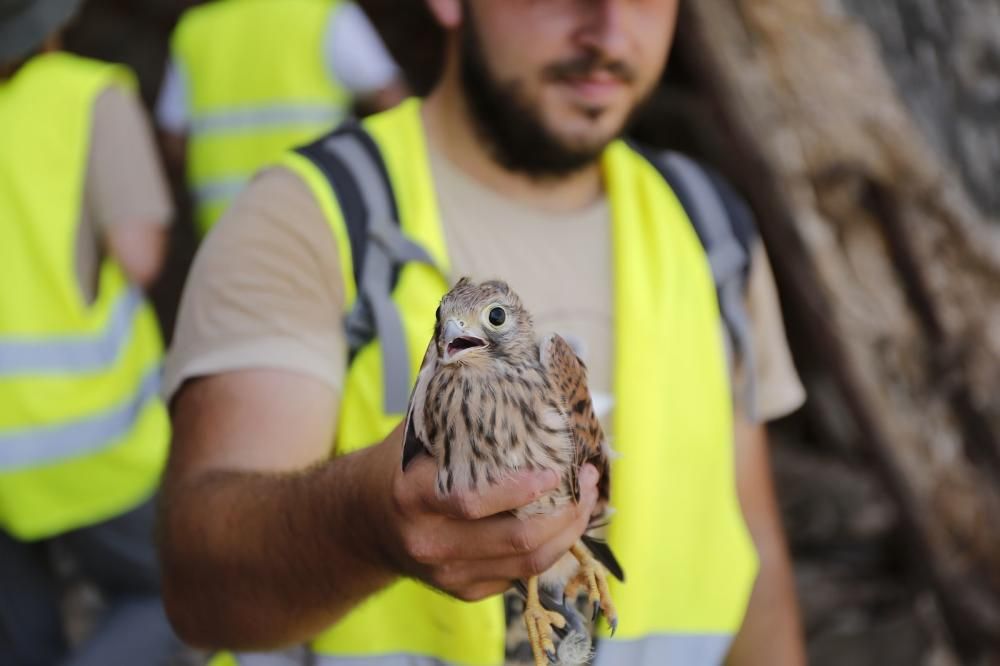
{"x": 490, "y": 400}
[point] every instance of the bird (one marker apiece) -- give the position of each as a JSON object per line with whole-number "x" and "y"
{"x": 491, "y": 399}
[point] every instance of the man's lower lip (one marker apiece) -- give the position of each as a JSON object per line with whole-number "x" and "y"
{"x": 594, "y": 88}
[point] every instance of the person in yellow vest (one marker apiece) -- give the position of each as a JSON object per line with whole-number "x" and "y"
{"x": 249, "y": 79}
{"x": 288, "y": 522}
{"x": 83, "y": 432}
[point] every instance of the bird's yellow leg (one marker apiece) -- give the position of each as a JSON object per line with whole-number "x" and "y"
{"x": 592, "y": 576}
{"x": 540, "y": 622}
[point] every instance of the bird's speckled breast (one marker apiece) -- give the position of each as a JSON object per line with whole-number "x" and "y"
{"x": 487, "y": 422}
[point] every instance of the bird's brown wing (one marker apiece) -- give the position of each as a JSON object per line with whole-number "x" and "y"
{"x": 568, "y": 376}
{"x": 414, "y": 439}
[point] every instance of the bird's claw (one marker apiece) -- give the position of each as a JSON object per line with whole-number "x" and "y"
{"x": 541, "y": 624}
{"x": 591, "y": 577}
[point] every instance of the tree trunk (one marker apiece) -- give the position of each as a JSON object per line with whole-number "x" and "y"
{"x": 944, "y": 56}
{"x": 886, "y": 266}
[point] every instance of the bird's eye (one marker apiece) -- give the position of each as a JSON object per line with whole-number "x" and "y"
{"x": 497, "y": 316}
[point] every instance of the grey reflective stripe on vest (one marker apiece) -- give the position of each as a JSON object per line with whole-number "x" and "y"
{"x": 267, "y": 659}
{"x": 251, "y": 118}
{"x": 727, "y": 259}
{"x": 657, "y": 650}
{"x": 664, "y": 650}
{"x": 387, "y": 248}
{"x": 381, "y": 660}
{"x": 296, "y": 656}
{"x": 302, "y": 658}
{"x": 30, "y": 447}
{"x": 224, "y": 189}
{"x": 72, "y": 353}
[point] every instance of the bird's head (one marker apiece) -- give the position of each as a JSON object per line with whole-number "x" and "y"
{"x": 480, "y": 322}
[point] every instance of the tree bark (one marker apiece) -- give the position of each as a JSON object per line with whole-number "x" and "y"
{"x": 944, "y": 56}
{"x": 885, "y": 263}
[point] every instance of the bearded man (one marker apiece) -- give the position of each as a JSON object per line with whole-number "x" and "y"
{"x": 288, "y": 518}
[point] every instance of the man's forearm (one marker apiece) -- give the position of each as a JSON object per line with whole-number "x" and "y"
{"x": 263, "y": 546}
{"x": 771, "y": 631}
{"x": 259, "y": 560}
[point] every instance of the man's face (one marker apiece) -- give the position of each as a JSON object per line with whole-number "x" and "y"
{"x": 551, "y": 82}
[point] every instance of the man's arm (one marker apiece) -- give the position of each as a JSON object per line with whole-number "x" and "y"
{"x": 358, "y": 60}
{"x": 126, "y": 190}
{"x": 771, "y": 631}
{"x": 140, "y": 247}
{"x": 265, "y": 542}
{"x": 172, "y": 120}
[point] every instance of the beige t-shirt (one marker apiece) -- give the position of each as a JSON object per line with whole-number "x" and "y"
{"x": 124, "y": 183}
{"x": 265, "y": 290}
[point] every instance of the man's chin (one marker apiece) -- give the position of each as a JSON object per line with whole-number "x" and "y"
{"x": 588, "y": 138}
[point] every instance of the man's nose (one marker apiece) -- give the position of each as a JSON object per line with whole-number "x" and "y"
{"x": 602, "y": 27}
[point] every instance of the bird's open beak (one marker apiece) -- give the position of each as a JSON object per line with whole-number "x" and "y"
{"x": 458, "y": 340}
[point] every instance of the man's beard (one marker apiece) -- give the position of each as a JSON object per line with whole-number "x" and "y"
{"x": 511, "y": 127}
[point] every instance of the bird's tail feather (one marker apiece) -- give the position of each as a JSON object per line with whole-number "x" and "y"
{"x": 602, "y": 551}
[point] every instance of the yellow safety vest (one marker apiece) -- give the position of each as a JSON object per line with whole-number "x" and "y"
{"x": 83, "y": 433}
{"x": 257, "y": 85}
{"x": 678, "y": 529}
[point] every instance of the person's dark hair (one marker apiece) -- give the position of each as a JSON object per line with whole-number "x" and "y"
{"x": 413, "y": 37}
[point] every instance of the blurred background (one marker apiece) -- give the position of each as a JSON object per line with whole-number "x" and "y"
{"x": 866, "y": 135}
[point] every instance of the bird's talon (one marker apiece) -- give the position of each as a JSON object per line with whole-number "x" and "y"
{"x": 591, "y": 575}
{"x": 541, "y": 624}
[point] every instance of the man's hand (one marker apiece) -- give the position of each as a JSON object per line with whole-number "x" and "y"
{"x": 469, "y": 544}
{"x": 266, "y": 541}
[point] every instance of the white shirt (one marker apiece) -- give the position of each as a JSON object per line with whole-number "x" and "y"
{"x": 354, "y": 54}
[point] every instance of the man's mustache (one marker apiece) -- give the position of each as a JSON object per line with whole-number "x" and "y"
{"x": 584, "y": 66}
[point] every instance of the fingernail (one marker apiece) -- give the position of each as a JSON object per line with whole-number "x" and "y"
{"x": 589, "y": 475}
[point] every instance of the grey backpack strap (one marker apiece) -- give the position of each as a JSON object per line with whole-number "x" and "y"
{"x": 725, "y": 226}
{"x": 351, "y": 161}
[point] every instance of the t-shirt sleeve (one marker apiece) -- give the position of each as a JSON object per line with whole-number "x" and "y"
{"x": 125, "y": 180}
{"x": 265, "y": 291}
{"x": 171, "y": 105}
{"x": 778, "y": 391}
{"x": 355, "y": 54}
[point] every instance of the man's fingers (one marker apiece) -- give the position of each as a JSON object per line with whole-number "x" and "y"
{"x": 589, "y": 476}
{"x": 501, "y": 536}
{"x": 511, "y": 493}
{"x": 523, "y": 544}
{"x": 482, "y": 590}
{"x": 522, "y": 564}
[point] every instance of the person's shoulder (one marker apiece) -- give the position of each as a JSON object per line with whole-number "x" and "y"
{"x": 704, "y": 193}
{"x": 278, "y": 201}
{"x": 72, "y": 72}
{"x": 195, "y": 21}
{"x": 206, "y": 11}
{"x": 115, "y": 101}
{"x": 264, "y": 289}
{"x": 275, "y": 220}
